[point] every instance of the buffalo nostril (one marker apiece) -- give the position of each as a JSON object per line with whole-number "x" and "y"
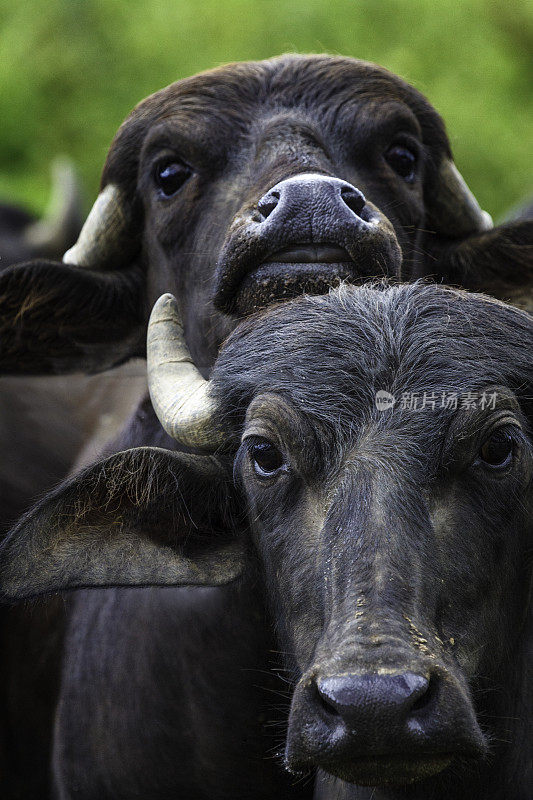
{"x": 327, "y": 704}
{"x": 426, "y": 696}
{"x": 268, "y": 203}
{"x": 354, "y": 199}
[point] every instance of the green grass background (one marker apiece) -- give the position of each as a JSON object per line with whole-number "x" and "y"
{"x": 71, "y": 70}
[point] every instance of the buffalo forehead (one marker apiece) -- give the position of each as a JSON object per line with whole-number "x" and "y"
{"x": 330, "y": 355}
{"x": 306, "y": 81}
{"x": 199, "y": 127}
{"x": 228, "y": 98}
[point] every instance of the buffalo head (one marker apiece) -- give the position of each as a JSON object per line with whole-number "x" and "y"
{"x": 240, "y": 186}
{"x": 373, "y": 463}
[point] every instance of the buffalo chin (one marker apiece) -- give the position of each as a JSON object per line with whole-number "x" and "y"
{"x": 271, "y": 282}
{"x": 397, "y": 770}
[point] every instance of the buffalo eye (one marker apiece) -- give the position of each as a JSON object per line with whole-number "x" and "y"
{"x": 267, "y": 460}
{"x": 170, "y": 176}
{"x": 402, "y": 160}
{"x": 497, "y": 451}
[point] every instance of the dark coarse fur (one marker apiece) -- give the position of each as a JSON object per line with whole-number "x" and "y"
{"x": 386, "y": 544}
{"x": 408, "y": 330}
{"x": 40, "y": 298}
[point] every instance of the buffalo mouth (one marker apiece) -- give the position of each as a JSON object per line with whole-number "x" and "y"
{"x": 389, "y": 770}
{"x": 310, "y": 254}
{"x": 302, "y": 268}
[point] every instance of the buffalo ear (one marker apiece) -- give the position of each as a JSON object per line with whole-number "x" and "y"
{"x": 498, "y": 262}
{"x": 143, "y": 517}
{"x": 56, "y": 318}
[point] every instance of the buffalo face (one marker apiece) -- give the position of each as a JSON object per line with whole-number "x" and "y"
{"x": 261, "y": 182}
{"x": 392, "y": 539}
{"x": 361, "y": 571}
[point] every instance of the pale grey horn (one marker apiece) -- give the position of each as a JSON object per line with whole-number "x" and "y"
{"x": 105, "y": 239}
{"x": 180, "y": 395}
{"x": 454, "y": 211}
{"x": 62, "y": 220}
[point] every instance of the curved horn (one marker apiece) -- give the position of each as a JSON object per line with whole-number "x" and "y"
{"x": 105, "y": 238}
{"x": 63, "y": 218}
{"x": 180, "y": 395}
{"x": 454, "y": 211}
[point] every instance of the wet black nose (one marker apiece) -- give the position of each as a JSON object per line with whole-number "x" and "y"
{"x": 365, "y": 703}
{"x": 316, "y": 193}
{"x": 381, "y": 726}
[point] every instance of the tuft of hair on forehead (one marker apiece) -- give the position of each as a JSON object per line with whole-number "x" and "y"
{"x": 329, "y": 354}
{"x": 230, "y": 95}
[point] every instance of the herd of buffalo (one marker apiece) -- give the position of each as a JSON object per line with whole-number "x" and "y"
{"x": 290, "y": 554}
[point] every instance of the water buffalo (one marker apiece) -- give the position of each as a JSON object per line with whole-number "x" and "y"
{"x": 362, "y": 507}
{"x": 246, "y": 184}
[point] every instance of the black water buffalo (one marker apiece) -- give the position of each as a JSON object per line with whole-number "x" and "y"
{"x": 365, "y": 511}
{"x": 250, "y": 183}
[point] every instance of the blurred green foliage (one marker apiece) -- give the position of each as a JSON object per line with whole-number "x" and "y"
{"x": 71, "y": 70}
